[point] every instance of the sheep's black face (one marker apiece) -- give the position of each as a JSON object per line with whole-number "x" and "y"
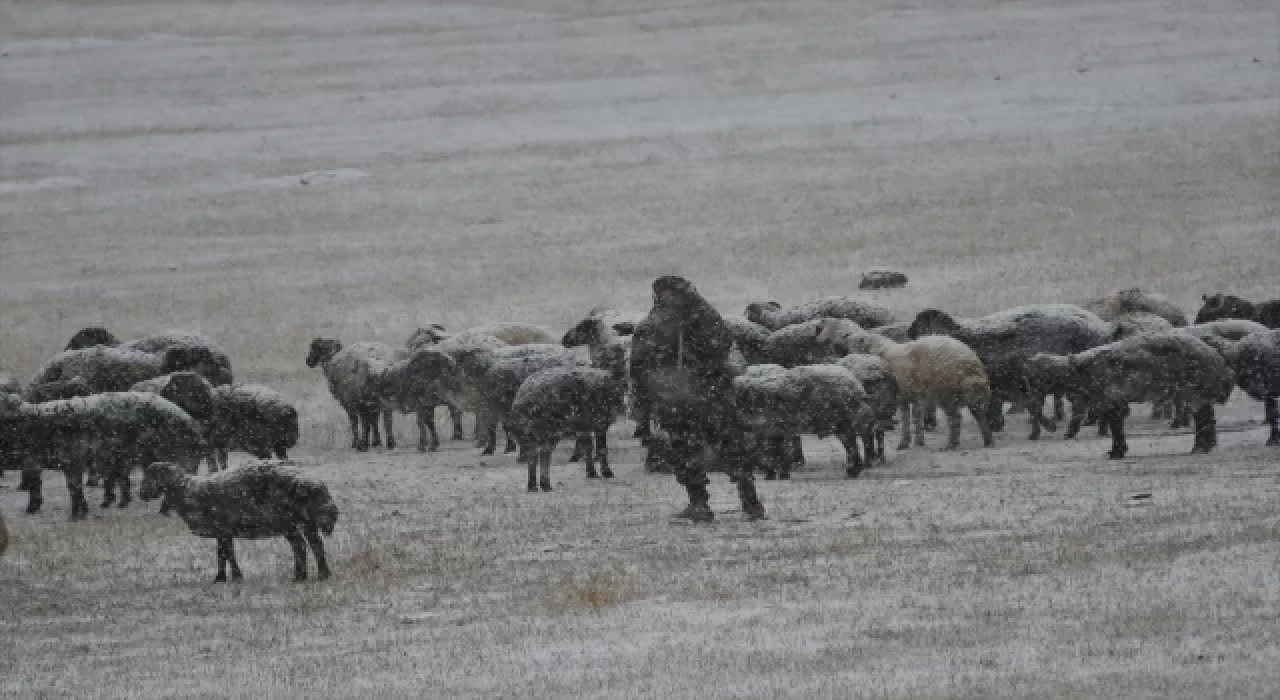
{"x": 585, "y": 333}
{"x": 931, "y": 322}
{"x": 321, "y": 350}
{"x": 91, "y": 336}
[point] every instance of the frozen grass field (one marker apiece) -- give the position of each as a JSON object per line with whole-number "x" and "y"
{"x": 267, "y": 172}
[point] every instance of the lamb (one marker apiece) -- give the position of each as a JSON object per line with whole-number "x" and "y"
{"x": 256, "y": 501}
{"x": 560, "y": 402}
{"x": 111, "y": 431}
{"x": 1255, "y": 359}
{"x": 1220, "y": 306}
{"x": 774, "y": 403}
{"x": 349, "y": 372}
{"x": 118, "y": 368}
{"x": 930, "y": 369}
{"x": 866, "y": 314}
{"x": 1006, "y": 339}
{"x": 1170, "y": 365}
{"x": 877, "y": 380}
{"x": 1134, "y": 300}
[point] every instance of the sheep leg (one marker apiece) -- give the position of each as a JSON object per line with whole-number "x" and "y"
{"x": 905, "y": 441}
{"x": 317, "y": 548}
{"x": 353, "y": 416}
{"x": 868, "y": 438}
{"x": 79, "y": 505}
{"x": 919, "y": 417}
{"x": 979, "y": 413}
{"x": 511, "y": 440}
{"x": 456, "y": 414}
{"x": 602, "y": 453}
{"x": 930, "y": 408}
{"x": 784, "y": 450}
{"x": 427, "y": 426}
{"x": 1206, "y": 430}
{"x": 531, "y": 459}
{"x": 299, "y": 547}
{"x": 490, "y": 438}
{"x": 33, "y": 483}
{"x": 1078, "y": 415}
{"x": 587, "y": 453}
{"x": 1059, "y": 409}
{"x": 108, "y": 488}
{"x": 372, "y": 418}
{"x": 126, "y": 488}
{"x": 995, "y": 412}
{"x": 388, "y": 426}
{"x": 1036, "y": 407}
{"x": 852, "y": 460}
{"x": 1181, "y": 414}
{"x": 952, "y": 411}
{"x": 544, "y": 462}
{"x": 227, "y": 555}
{"x": 577, "y": 451}
{"x": 1273, "y": 419}
{"x": 1114, "y": 416}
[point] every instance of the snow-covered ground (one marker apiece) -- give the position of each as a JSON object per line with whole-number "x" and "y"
{"x": 269, "y": 172}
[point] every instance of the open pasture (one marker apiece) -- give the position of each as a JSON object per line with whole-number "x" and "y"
{"x": 268, "y": 172}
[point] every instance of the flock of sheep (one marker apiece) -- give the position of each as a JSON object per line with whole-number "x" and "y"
{"x": 837, "y": 366}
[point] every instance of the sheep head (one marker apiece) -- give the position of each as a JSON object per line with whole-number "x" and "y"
{"x": 842, "y": 336}
{"x": 157, "y": 477}
{"x": 322, "y": 350}
{"x": 1220, "y": 306}
{"x": 199, "y": 359}
{"x": 589, "y": 331}
{"x": 757, "y": 312}
{"x": 91, "y": 336}
{"x": 932, "y": 322}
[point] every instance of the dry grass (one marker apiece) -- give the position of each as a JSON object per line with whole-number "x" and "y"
{"x": 527, "y": 161}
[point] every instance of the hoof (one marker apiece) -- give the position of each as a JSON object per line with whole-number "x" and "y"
{"x": 1117, "y": 454}
{"x": 106, "y": 503}
{"x": 533, "y": 488}
{"x": 509, "y": 449}
{"x": 33, "y": 508}
{"x": 322, "y": 576}
{"x": 299, "y": 578}
{"x": 592, "y": 475}
{"x": 574, "y": 458}
{"x": 78, "y": 515}
{"x": 423, "y": 449}
{"x": 606, "y": 473}
{"x": 487, "y": 451}
{"x": 641, "y": 433}
{"x": 1200, "y": 450}
{"x": 220, "y": 578}
{"x": 852, "y": 472}
{"x": 784, "y": 476}
{"x": 770, "y": 476}
{"x": 122, "y": 504}
{"x": 1273, "y": 442}
{"x": 545, "y": 486}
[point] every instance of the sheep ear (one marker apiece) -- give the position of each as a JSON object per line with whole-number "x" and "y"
{"x": 1204, "y": 297}
{"x": 624, "y": 328}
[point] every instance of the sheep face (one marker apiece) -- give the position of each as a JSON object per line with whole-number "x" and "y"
{"x": 932, "y": 322}
{"x": 322, "y": 350}
{"x": 757, "y": 311}
{"x": 589, "y": 331}
{"x": 842, "y": 336}
{"x": 91, "y": 336}
{"x": 156, "y": 478}
{"x": 1220, "y": 306}
{"x": 199, "y": 359}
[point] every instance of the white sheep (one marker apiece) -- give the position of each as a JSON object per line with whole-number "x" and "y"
{"x": 932, "y": 368}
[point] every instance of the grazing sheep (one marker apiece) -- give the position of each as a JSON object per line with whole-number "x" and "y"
{"x": 118, "y": 368}
{"x": 1006, "y": 339}
{"x": 933, "y": 368}
{"x": 349, "y": 372}
{"x": 560, "y": 402}
{"x": 1170, "y": 366}
{"x": 1134, "y": 300}
{"x": 1256, "y": 363}
{"x": 877, "y": 380}
{"x": 866, "y": 314}
{"x": 881, "y": 278}
{"x": 256, "y": 501}
{"x": 1221, "y": 306}
{"x": 110, "y": 432}
{"x": 253, "y": 418}
{"x": 91, "y": 336}
{"x": 774, "y": 403}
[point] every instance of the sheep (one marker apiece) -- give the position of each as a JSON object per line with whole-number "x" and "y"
{"x": 194, "y": 395}
{"x": 197, "y": 349}
{"x": 256, "y": 501}
{"x": 253, "y": 418}
{"x": 877, "y": 380}
{"x": 749, "y": 340}
{"x": 1232, "y": 329}
{"x": 56, "y": 390}
{"x": 1169, "y": 365}
{"x": 457, "y": 345}
{"x": 560, "y": 402}
{"x": 111, "y": 431}
{"x": 866, "y": 314}
{"x": 118, "y": 368}
{"x": 398, "y": 389}
{"x": 1006, "y": 339}
{"x": 607, "y": 349}
{"x": 1221, "y": 306}
{"x": 494, "y": 379}
{"x": 774, "y": 403}
{"x": 349, "y": 371}
{"x": 1255, "y": 360}
{"x": 933, "y": 368}
{"x": 1136, "y": 322}
{"x": 881, "y": 278}
{"x": 1134, "y": 300}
